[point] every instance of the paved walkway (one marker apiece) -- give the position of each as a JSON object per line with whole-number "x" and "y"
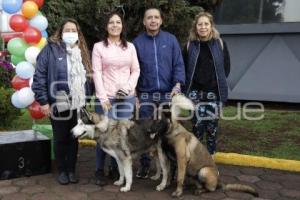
{"x": 271, "y": 184}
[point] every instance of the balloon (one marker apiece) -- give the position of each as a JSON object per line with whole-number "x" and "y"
{"x": 15, "y": 100}
{"x": 19, "y": 83}
{"x": 18, "y": 23}
{"x": 40, "y": 22}
{"x": 31, "y": 53}
{"x": 16, "y": 59}
{"x": 25, "y": 70}
{"x": 17, "y": 46}
{"x": 32, "y": 35}
{"x": 35, "y": 110}
{"x": 45, "y": 34}
{"x": 38, "y": 2}
{"x": 30, "y": 82}
{"x": 29, "y": 9}
{"x": 11, "y": 6}
{"x": 41, "y": 43}
{"x": 26, "y": 96}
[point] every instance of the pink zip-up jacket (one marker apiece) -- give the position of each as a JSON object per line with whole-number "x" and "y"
{"x": 114, "y": 68}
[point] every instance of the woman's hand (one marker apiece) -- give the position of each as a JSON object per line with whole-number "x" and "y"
{"x": 106, "y": 105}
{"x": 45, "y": 109}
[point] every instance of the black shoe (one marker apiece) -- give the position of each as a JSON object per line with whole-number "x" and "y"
{"x": 63, "y": 178}
{"x": 73, "y": 178}
{"x": 143, "y": 172}
{"x": 113, "y": 174}
{"x": 101, "y": 180}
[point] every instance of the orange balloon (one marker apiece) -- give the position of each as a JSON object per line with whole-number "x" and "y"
{"x": 29, "y": 9}
{"x": 38, "y": 2}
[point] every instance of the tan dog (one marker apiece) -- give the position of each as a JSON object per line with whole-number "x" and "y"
{"x": 193, "y": 159}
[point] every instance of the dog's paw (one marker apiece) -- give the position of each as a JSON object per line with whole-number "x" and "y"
{"x": 198, "y": 192}
{"x": 160, "y": 187}
{"x": 155, "y": 177}
{"x": 125, "y": 189}
{"x": 177, "y": 193}
{"x": 119, "y": 182}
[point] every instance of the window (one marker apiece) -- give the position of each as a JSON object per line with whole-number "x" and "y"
{"x": 258, "y": 11}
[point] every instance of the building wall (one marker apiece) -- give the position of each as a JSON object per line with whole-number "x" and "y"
{"x": 265, "y": 61}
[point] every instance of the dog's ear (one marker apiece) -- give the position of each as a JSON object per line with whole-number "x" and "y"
{"x": 85, "y": 116}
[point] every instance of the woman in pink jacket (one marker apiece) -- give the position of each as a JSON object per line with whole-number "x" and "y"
{"x": 116, "y": 71}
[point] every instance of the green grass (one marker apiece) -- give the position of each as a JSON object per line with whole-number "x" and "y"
{"x": 276, "y": 136}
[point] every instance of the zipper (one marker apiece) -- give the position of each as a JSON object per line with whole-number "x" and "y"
{"x": 156, "y": 63}
{"x": 194, "y": 68}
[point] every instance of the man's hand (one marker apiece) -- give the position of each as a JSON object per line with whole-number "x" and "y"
{"x": 176, "y": 89}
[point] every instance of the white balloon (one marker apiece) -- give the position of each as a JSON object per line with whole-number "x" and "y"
{"x": 15, "y": 100}
{"x": 26, "y": 96}
{"x": 25, "y": 70}
{"x": 30, "y": 82}
{"x": 31, "y": 54}
{"x": 40, "y": 22}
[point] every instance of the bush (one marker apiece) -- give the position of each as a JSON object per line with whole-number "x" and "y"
{"x": 6, "y": 74}
{"x": 7, "y": 112}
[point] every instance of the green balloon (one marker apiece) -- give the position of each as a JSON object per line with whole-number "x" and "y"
{"x": 17, "y": 46}
{"x": 16, "y": 59}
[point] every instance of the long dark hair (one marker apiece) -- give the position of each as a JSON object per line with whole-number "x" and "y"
{"x": 85, "y": 54}
{"x": 122, "y": 36}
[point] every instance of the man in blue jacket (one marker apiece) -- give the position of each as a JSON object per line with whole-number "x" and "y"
{"x": 162, "y": 70}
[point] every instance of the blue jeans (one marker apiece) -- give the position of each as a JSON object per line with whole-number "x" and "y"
{"x": 120, "y": 110}
{"x": 149, "y": 102}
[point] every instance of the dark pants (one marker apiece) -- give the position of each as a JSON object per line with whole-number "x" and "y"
{"x": 206, "y": 117}
{"x": 118, "y": 111}
{"x": 149, "y": 103}
{"x": 65, "y": 145}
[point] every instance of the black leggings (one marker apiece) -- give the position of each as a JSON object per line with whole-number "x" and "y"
{"x": 65, "y": 145}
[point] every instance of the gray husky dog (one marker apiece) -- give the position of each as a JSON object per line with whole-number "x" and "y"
{"x": 123, "y": 140}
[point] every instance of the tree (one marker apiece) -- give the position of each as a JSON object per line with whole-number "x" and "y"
{"x": 177, "y": 14}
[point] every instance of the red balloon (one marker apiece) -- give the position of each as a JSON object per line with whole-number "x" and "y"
{"x": 18, "y": 83}
{"x": 38, "y": 2}
{"x": 32, "y": 35}
{"x": 35, "y": 110}
{"x": 18, "y": 23}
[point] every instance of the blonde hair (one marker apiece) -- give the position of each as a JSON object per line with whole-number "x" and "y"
{"x": 193, "y": 35}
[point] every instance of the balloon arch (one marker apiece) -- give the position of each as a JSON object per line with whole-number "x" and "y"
{"x": 25, "y": 18}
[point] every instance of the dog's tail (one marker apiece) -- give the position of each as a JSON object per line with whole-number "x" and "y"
{"x": 240, "y": 188}
{"x": 180, "y": 102}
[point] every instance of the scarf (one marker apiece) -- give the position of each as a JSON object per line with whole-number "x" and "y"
{"x": 77, "y": 78}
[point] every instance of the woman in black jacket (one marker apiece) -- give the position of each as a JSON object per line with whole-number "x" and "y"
{"x": 207, "y": 65}
{"x": 62, "y": 73}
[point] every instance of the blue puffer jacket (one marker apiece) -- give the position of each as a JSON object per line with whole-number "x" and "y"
{"x": 218, "y": 58}
{"x": 51, "y": 74}
{"x": 161, "y": 62}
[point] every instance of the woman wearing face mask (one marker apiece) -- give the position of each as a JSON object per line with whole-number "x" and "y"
{"x": 207, "y": 66}
{"x": 62, "y": 74}
{"x": 116, "y": 71}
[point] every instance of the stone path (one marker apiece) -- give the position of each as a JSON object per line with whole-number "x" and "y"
{"x": 271, "y": 184}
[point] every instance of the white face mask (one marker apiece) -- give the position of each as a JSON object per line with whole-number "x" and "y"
{"x": 70, "y": 38}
